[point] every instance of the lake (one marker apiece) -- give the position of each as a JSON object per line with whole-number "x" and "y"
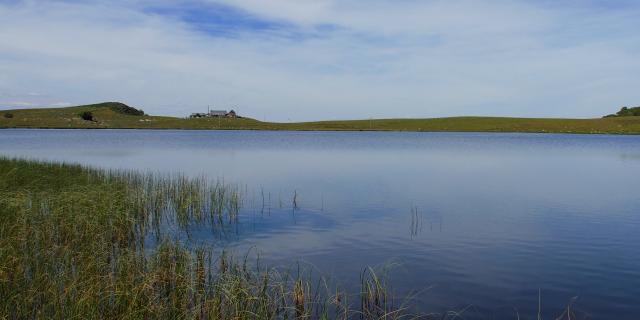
{"x": 489, "y": 223}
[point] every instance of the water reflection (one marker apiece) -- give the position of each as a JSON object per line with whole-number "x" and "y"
{"x": 630, "y": 156}
{"x": 557, "y": 214}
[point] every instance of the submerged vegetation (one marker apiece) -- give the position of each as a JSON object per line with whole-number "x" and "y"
{"x": 114, "y": 115}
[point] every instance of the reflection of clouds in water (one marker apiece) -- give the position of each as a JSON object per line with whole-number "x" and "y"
{"x": 630, "y": 156}
{"x": 521, "y": 211}
{"x": 100, "y": 152}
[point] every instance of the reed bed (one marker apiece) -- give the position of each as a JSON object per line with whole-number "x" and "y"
{"x": 83, "y": 243}
{"x": 75, "y": 243}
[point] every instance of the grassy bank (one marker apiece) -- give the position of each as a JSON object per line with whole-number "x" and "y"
{"x": 82, "y": 243}
{"x": 105, "y": 116}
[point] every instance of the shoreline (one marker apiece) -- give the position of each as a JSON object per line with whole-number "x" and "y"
{"x": 330, "y": 130}
{"x": 111, "y": 116}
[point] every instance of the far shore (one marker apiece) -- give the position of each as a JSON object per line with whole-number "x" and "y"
{"x": 110, "y": 116}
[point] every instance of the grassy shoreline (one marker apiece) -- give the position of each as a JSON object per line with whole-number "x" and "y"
{"x": 107, "y": 118}
{"x": 77, "y": 242}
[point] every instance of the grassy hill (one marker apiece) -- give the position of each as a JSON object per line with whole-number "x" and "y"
{"x": 113, "y": 115}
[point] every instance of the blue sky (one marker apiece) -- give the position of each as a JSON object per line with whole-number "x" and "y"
{"x": 324, "y": 59}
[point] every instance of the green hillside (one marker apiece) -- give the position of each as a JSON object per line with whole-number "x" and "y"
{"x": 113, "y": 115}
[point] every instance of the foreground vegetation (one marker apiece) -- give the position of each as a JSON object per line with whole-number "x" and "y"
{"x": 82, "y": 243}
{"x": 115, "y": 116}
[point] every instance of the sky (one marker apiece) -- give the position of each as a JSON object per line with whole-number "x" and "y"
{"x": 297, "y": 60}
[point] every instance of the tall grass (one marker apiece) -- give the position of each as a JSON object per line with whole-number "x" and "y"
{"x": 82, "y": 243}
{"x": 74, "y": 243}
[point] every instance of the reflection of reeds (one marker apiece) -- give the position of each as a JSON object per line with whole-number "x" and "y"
{"x": 295, "y": 200}
{"x": 263, "y": 201}
{"x": 416, "y": 222}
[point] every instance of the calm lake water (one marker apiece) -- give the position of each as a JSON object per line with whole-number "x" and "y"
{"x": 478, "y": 221}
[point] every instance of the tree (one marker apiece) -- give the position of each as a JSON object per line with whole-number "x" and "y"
{"x": 87, "y": 115}
{"x": 626, "y": 112}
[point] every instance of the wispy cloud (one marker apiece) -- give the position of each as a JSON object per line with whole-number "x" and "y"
{"x": 323, "y": 59}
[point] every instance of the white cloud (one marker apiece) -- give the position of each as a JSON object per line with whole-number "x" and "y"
{"x": 346, "y": 59}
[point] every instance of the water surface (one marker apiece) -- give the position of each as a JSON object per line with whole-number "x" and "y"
{"x": 482, "y": 220}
